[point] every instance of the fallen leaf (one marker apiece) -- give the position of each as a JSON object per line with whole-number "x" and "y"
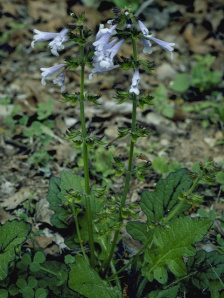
{"x": 16, "y": 199}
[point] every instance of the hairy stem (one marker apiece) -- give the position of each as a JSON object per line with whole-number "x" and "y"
{"x": 86, "y": 165}
{"x": 128, "y": 173}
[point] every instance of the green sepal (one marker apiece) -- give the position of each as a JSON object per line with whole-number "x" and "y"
{"x": 122, "y": 96}
{"x": 134, "y": 137}
{"x": 73, "y": 63}
{"x": 92, "y": 98}
{"x": 148, "y": 66}
{"x": 73, "y": 134}
{"x": 86, "y": 32}
{"x": 122, "y": 132}
{"x": 78, "y": 142}
{"x": 145, "y": 99}
{"x": 123, "y": 34}
{"x": 127, "y": 63}
{"x": 73, "y": 98}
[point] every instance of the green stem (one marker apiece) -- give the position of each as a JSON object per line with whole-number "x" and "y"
{"x": 48, "y": 271}
{"x": 141, "y": 287}
{"x": 147, "y": 244}
{"x": 179, "y": 279}
{"x": 78, "y": 232}
{"x": 175, "y": 210}
{"x": 128, "y": 173}
{"x": 111, "y": 263}
{"x": 86, "y": 166}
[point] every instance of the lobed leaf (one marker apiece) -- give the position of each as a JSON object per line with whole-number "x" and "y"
{"x": 169, "y": 293}
{"x": 171, "y": 245}
{"x": 86, "y": 281}
{"x": 207, "y": 266}
{"x": 139, "y": 231}
{"x": 12, "y": 235}
{"x": 164, "y": 198}
{"x": 58, "y": 188}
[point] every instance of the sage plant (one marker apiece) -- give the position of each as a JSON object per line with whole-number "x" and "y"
{"x": 98, "y": 218}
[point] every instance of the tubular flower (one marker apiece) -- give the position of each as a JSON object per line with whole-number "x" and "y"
{"x": 60, "y": 80}
{"x": 103, "y": 60}
{"x": 55, "y": 44}
{"x": 135, "y": 82}
{"x": 105, "y": 50}
{"x": 147, "y": 45}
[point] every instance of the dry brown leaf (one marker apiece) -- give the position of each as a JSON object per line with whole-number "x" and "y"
{"x": 196, "y": 42}
{"x": 4, "y": 216}
{"x": 43, "y": 212}
{"x": 16, "y": 199}
{"x": 47, "y": 10}
{"x": 10, "y": 8}
{"x": 40, "y": 242}
{"x": 200, "y": 6}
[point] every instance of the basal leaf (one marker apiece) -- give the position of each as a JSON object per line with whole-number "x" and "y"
{"x": 171, "y": 245}
{"x": 169, "y": 293}
{"x": 58, "y": 188}
{"x": 139, "y": 231}
{"x": 207, "y": 266}
{"x": 70, "y": 181}
{"x": 86, "y": 281}
{"x": 160, "y": 202}
{"x": 12, "y": 235}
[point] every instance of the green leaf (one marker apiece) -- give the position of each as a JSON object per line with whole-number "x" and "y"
{"x": 159, "y": 164}
{"x": 164, "y": 198}
{"x": 58, "y": 189}
{"x": 12, "y": 235}
{"x": 181, "y": 83}
{"x": 86, "y": 281}
{"x": 13, "y": 290}
{"x": 3, "y": 293}
{"x": 171, "y": 245}
{"x": 24, "y": 262}
{"x": 207, "y": 266}
{"x": 169, "y": 293}
{"x": 35, "y": 267}
{"x": 69, "y": 259}
{"x": 139, "y": 231}
{"x": 27, "y": 292}
{"x": 40, "y": 293}
{"x": 39, "y": 257}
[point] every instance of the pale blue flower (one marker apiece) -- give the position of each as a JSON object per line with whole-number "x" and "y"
{"x": 104, "y": 54}
{"x": 103, "y": 36}
{"x": 135, "y": 82}
{"x": 56, "y": 43}
{"x": 60, "y": 80}
{"x": 147, "y": 45}
{"x": 163, "y": 44}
